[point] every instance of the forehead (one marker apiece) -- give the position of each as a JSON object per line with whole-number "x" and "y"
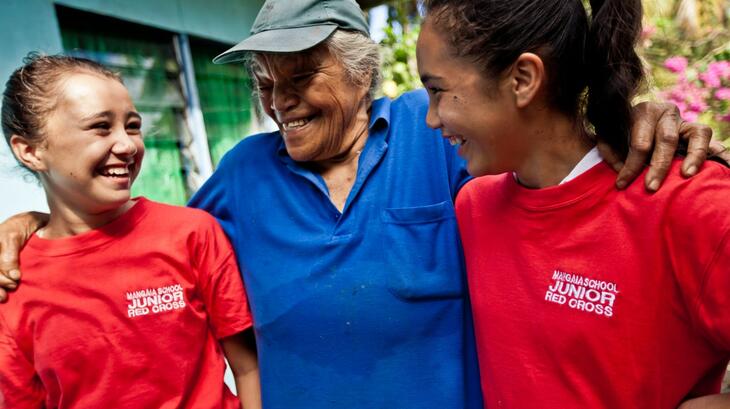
{"x": 431, "y": 46}
{"x": 80, "y": 92}
{"x": 264, "y": 64}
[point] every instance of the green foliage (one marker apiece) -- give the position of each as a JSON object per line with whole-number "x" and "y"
{"x": 400, "y": 73}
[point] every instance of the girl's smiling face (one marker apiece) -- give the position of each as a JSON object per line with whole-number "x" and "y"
{"x": 93, "y": 148}
{"x": 479, "y": 113}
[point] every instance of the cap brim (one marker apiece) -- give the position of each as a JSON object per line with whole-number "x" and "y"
{"x": 287, "y": 40}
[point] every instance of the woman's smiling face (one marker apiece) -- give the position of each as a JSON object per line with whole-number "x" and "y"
{"x": 468, "y": 108}
{"x": 316, "y": 107}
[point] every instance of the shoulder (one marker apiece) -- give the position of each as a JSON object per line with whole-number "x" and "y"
{"x": 178, "y": 218}
{"x": 416, "y": 101}
{"x": 252, "y": 148}
{"x": 476, "y": 191}
{"x": 700, "y": 202}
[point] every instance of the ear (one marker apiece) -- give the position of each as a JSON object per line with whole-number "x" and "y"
{"x": 528, "y": 75}
{"x": 29, "y": 154}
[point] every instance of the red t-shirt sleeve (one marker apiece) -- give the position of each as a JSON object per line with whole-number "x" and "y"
{"x": 697, "y": 233}
{"x": 20, "y": 388}
{"x": 220, "y": 281}
{"x": 713, "y": 303}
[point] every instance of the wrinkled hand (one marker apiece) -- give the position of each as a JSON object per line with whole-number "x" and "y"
{"x": 14, "y": 232}
{"x": 657, "y": 131}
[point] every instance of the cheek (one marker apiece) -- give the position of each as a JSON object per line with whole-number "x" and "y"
{"x": 454, "y": 115}
{"x": 265, "y": 101}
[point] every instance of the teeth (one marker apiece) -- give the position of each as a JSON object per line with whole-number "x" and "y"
{"x": 115, "y": 172}
{"x": 295, "y": 124}
{"x": 456, "y": 140}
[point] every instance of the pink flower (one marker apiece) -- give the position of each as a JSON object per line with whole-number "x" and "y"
{"x": 711, "y": 79}
{"x": 690, "y": 116}
{"x": 676, "y": 65}
{"x": 720, "y": 69}
{"x": 715, "y": 73}
{"x": 723, "y": 94}
{"x": 647, "y": 31}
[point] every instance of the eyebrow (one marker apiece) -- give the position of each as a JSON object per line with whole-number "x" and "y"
{"x": 105, "y": 114}
{"x": 97, "y": 116}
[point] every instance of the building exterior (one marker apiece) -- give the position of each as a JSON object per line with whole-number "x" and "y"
{"x": 193, "y": 111}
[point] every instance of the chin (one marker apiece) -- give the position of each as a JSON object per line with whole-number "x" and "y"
{"x": 477, "y": 170}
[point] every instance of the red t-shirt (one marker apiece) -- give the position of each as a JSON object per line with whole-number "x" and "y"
{"x": 589, "y": 297}
{"x": 125, "y": 316}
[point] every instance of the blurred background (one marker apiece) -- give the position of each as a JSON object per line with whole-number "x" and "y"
{"x": 195, "y": 111}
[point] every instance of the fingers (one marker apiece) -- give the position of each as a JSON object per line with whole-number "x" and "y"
{"x": 719, "y": 150}
{"x": 611, "y": 157}
{"x": 10, "y": 244}
{"x": 7, "y": 283}
{"x": 667, "y": 141}
{"x": 643, "y": 127}
{"x": 3, "y": 296}
{"x": 699, "y": 140}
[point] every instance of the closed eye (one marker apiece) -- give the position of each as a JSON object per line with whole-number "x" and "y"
{"x": 434, "y": 90}
{"x": 102, "y": 125}
{"x": 302, "y": 79}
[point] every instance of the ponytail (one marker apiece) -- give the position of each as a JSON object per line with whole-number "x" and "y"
{"x": 614, "y": 69}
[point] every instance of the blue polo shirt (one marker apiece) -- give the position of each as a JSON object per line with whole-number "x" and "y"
{"x": 362, "y": 309}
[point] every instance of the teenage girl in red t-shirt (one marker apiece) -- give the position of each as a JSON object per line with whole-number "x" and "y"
{"x": 128, "y": 303}
{"x": 584, "y": 296}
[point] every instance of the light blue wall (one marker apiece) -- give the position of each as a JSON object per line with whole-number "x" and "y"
{"x": 25, "y": 25}
{"x": 31, "y": 25}
{"x": 222, "y": 20}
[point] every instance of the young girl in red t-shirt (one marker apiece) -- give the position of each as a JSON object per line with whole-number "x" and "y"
{"x": 126, "y": 303}
{"x": 584, "y": 296}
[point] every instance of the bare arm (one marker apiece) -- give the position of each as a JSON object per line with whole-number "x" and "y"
{"x": 240, "y": 350}
{"x": 14, "y": 233}
{"x": 656, "y": 132}
{"x": 719, "y": 401}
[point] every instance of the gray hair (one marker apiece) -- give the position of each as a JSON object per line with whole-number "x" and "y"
{"x": 358, "y": 54}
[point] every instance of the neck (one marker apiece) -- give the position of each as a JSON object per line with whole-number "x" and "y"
{"x": 67, "y": 221}
{"x": 556, "y": 144}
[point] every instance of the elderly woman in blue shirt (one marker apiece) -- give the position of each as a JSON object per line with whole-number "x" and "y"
{"x": 343, "y": 222}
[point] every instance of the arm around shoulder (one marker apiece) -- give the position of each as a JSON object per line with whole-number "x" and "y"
{"x": 14, "y": 233}
{"x": 718, "y": 401}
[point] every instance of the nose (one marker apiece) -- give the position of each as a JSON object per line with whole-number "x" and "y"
{"x": 124, "y": 145}
{"x": 283, "y": 98}
{"x": 432, "y": 117}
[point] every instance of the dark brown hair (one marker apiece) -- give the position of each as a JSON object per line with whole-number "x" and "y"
{"x": 31, "y": 93}
{"x": 579, "y": 54}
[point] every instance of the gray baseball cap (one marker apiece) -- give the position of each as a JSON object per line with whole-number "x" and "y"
{"x": 287, "y": 26}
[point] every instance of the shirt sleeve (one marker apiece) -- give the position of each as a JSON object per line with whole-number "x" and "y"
{"x": 697, "y": 231}
{"x": 20, "y": 387}
{"x": 220, "y": 283}
{"x": 713, "y": 302}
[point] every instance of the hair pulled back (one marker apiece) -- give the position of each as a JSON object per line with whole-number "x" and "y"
{"x": 578, "y": 53}
{"x": 32, "y": 91}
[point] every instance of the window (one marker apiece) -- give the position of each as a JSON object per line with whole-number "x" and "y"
{"x": 167, "y": 89}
